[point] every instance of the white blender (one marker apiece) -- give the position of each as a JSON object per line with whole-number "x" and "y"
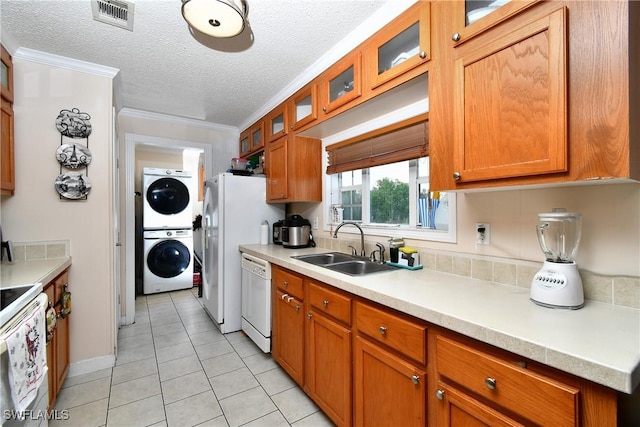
{"x": 558, "y": 283}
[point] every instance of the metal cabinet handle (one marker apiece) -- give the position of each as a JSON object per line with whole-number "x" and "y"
{"x": 423, "y": 54}
{"x": 297, "y": 307}
{"x": 290, "y": 299}
{"x": 440, "y": 394}
{"x": 382, "y": 330}
{"x": 325, "y": 303}
{"x": 415, "y": 379}
{"x": 309, "y": 316}
{"x": 457, "y": 176}
{"x": 285, "y": 283}
{"x": 324, "y": 109}
{"x": 455, "y": 37}
{"x": 490, "y": 383}
{"x": 284, "y": 296}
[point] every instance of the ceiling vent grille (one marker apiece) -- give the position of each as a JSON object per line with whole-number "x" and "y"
{"x": 114, "y": 12}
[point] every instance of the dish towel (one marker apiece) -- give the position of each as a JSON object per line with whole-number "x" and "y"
{"x": 27, "y": 357}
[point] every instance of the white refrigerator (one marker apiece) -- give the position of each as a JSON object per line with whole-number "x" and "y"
{"x": 233, "y": 212}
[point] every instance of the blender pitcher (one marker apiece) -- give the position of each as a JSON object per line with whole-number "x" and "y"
{"x": 559, "y": 235}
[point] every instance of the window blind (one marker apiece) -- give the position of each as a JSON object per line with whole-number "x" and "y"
{"x": 406, "y": 140}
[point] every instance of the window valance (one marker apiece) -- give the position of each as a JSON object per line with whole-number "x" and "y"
{"x": 405, "y": 140}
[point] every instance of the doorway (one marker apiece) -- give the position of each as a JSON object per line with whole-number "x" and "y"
{"x": 135, "y": 144}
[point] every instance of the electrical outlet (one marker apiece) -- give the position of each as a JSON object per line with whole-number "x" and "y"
{"x": 315, "y": 223}
{"x": 483, "y": 233}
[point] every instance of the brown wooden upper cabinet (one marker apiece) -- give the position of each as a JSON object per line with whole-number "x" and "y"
{"x": 303, "y": 106}
{"x": 252, "y": 139}
{"x": 245, "y": 144}
{"x": 342, "y": 83}
{"x": 402, "y": 45}
{"x": 277, "y": 123}
{"x": 474, "y": 17}
{"x": 7, "y": 166}
{"x": 510, "y": 102}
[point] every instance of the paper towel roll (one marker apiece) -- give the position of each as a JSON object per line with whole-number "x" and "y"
{"x": 264, "y": 233}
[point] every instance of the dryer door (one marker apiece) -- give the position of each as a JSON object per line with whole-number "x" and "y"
{"x": 168, "y": 196}
{"x": 168, "y": 258}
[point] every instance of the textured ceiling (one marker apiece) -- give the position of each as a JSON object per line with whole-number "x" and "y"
{"x": 165, "y": 69}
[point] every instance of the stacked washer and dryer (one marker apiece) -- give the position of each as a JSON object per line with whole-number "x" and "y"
{"x": 167, "y": 230}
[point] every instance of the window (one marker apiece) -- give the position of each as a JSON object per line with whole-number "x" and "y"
{"x": 380, "y": 179}
{"x": 394, "y": 199}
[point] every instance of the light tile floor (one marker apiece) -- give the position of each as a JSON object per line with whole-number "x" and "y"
{"x": 175, "y": 368}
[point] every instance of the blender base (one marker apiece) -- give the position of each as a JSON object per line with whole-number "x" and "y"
{"x": 558, "y": 285}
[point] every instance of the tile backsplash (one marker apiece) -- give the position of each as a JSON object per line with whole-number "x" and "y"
{"x": 31, "y": 251}
{"x": 617, "y": 290}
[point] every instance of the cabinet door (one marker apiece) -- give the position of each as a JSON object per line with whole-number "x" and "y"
{"x": 245, "y": 144}
{"x": 473, "y": 17}
{"x": 401, "y": 46}
{"x": 328, "y": 367}
{"x": 388, "y": 391}
{"x": 342, "y": 83}
{"x": 455, "y": 409}
{"x": 277, "y": 123}
{"x": 276, "y": 164}
{"x": 62, "y": 358}
{"x": 257, "y": 136}
{"x": 304, "y": 107}
{"x": 7, "y": 172}
{"x": 288, "y": 339}
{"x": 51, "y": 353}
{"x": 510, "y": 103}
{"x": 6, "y": 75}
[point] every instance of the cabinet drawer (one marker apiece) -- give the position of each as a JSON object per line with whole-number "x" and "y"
{"x": 404, "y": 336}
{"x": 289, "y": 282}
{"x": 330, "y": 302}
{"x": 533, "y": 396}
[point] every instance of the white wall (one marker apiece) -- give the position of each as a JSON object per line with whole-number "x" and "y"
{"x": 36, "y": 213}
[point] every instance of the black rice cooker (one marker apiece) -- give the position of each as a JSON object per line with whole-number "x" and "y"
{"x": 296, "y": 233}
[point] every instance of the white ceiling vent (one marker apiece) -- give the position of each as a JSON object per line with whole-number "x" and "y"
{"x": 114, "y": 12}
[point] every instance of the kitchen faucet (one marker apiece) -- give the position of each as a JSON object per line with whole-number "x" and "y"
{"x": 335, "y": 235}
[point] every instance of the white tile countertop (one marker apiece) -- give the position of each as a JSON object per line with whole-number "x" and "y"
{"x": 600, "y": 342}
{"x": 28, "y": 272}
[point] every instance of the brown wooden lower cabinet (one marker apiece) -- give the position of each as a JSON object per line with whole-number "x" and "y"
{"x": 58, "y": 354}
{"x": 388, "y": 390}
{"x": 368, "y": 365}
{"x": 328, "y": 367}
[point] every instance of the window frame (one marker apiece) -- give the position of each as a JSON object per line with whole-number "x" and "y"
{"x": 411, "y": 231}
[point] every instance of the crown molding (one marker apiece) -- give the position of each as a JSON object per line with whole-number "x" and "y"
{"x": 147, "y": 115}
{"x": 37, "y": 56}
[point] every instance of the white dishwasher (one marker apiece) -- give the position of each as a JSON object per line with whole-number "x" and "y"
{"x": 256, "y": 300}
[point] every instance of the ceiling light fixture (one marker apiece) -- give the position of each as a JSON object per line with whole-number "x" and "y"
{"x": 217, "y": 18}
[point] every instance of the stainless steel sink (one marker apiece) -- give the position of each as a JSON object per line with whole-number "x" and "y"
{"x": 324, "y": 259}
{"x": 359, "y": 267}
{"x": 344, "y": 263}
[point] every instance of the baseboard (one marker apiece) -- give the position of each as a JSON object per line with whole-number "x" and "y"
{"x": 91, "y": 365}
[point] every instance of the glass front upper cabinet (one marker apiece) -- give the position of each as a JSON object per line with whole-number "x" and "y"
{"x": 6, "y": 75}
{"x": 276, "y": 123}
{"x": 476, "y": 16}
{"x": 257, "y": 141}
{"x": 304, "y": 107}
{"x": 400, "y": 46}
{"x": 342, "y": 83}
{"x": 245, "y": 148}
